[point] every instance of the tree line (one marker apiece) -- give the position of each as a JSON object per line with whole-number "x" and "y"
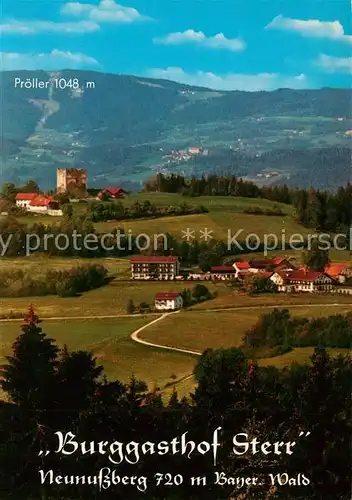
{"x": 104, "y": 211}
{"x": 279, "y": 332}
{"x": 16, "y": 282}
{"x": 322, "y": 210}
{"x": 52, "y": 389}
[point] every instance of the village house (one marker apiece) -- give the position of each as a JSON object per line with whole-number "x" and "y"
{"x": 113, "y": 192}
{"x": 261, "y": 266}
{"x": 280, "y": 263}
{"x": 154, "y": 267}
{"x": 302, "y": 281}
{"x": 277, "y": 264}
{"x": 339, "y": 272}
{"x": 222, "y": 272}
{"x": 44, "y": 204}
{"x": 38, "y": 203}
{"x": 168, "y": 301}
{"x": 24, "y": 199}
{"x": 241, "y": 268}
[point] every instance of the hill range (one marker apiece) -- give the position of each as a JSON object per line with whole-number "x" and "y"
{"x": 124, "y": 129}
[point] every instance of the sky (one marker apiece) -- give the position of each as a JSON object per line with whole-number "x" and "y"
{"x": 221, "y": 44}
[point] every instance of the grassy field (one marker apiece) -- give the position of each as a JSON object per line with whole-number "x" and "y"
{"x": 212, "y": 203}
{"x": 111, "y": 344}
{"x": 241, "y": 299}
{"x": 335, "y": 255}
{"x": 299, "y": 355}
{"x": 225, "y": 213}
{"x": 109, "y": 341}
{"x": 197, "y": 331}
{"x": 224, "y": 220}
{"x": 223, "y": 224}
{"x": 110, "y": 300}
{"x": 194, "y": 329}
{"x": 36, "y": 263}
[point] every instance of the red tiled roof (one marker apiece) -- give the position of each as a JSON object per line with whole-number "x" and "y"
{"x": 166, "y": 295}
{"x": 154, "y": 259}
{"x": 25, "y": 196}
{"x": 335, "y": 269}
{"x": 242, "y": 265}
{"x": 115, "y": 190}
{"x": 41, "y": 201}
{"x": 222, "y": 269}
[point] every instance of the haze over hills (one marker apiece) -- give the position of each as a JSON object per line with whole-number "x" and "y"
{"x": 123, "y": 129}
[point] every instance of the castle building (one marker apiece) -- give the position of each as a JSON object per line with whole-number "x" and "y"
{"x": 72, "y": 181}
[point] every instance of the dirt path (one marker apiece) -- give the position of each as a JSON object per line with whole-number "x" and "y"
{"x": 134, "y": 335}
{"x": 116, "y": 316}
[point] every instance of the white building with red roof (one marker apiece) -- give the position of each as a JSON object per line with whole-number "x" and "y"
{"x": 38, "y": 203}
{"x": 155, "y": 267}
{"x": 24, "y": 199}
{"x": 262, "y": 266}
{"x": 42, "y": 203}
{"x": 168, "y": 301}
{"x": 241, "y": 268}
{"x": 303, "y": 280}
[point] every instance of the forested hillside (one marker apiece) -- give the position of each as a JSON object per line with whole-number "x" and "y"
{"x": 123, "y": 128}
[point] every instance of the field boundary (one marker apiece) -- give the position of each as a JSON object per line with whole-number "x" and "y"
{"x": 134, "y": 335}
{"x": 69, "y": 318}
{"x": 219, "y": 309}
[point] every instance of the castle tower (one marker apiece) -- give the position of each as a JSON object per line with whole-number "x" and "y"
{"x": 72, "y": 181}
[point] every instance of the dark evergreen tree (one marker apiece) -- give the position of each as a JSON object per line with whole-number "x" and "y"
{"x": 29, "y": 376}
{"x": 316, "y": 258}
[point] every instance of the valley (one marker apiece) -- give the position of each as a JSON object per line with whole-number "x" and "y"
{"x": 300, "y": 136}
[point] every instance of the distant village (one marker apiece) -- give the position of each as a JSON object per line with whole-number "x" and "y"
{"x": 180, "y": 155}
{"x": 281, "y": 272}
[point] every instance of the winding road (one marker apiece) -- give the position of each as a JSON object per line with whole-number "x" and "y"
{"x": 134, "y": 335}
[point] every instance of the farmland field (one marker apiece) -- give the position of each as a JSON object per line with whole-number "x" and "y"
{"x": 37, "y": 263}
{"x": 213, "y": 323}
{"x": 197, "y": 331}
{"x": 110, "y": 300}
{"x": 240, "y": 299}
{"x": 335, "y": 255}
{"x": 109, "y": 340}
{"x": 212, "y": 203}
{"x": 299, "y": 355}
{"x": 225, "y": 213}
{"x": 222, "y": 224}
